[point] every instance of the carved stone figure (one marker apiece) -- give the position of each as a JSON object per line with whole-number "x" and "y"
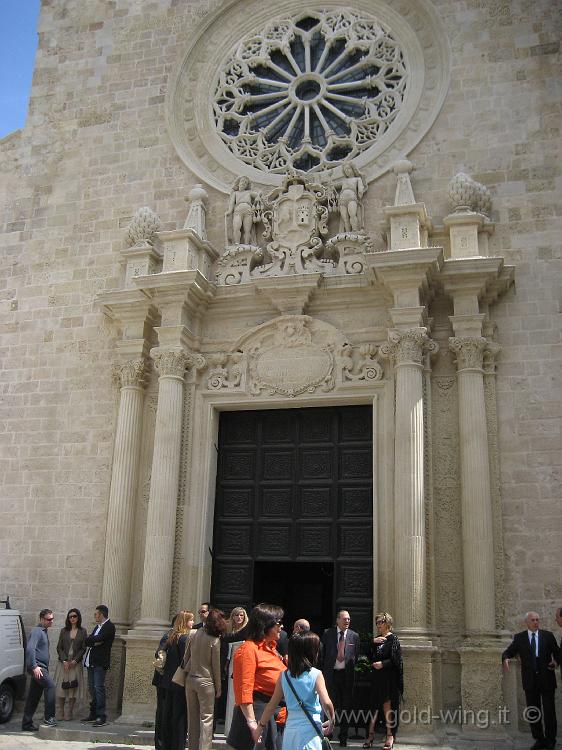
{"x": 243, "y": 213}
{"x": 352, "y": 188}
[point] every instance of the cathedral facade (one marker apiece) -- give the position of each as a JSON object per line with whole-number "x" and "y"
{"x": 280, "y": 293}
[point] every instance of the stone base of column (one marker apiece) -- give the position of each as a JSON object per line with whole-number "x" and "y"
{"x": 116, "y": 674}
{"x": 484, "y": 713}
{"x": 420, "y": 679}
{"x": 139, "y": 695}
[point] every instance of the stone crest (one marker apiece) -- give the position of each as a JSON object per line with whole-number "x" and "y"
{"x": 290, "y": 361}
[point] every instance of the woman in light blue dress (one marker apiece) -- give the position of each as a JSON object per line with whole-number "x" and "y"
{"x": 308, "y": 681}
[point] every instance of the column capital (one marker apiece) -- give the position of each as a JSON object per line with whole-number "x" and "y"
{"x": 490, "y": 356}
{"x": 131, "y": 373}
{"x": 408, "y": 347}
{"x": 469, "y": 350}
{"x": 174, "y": 363}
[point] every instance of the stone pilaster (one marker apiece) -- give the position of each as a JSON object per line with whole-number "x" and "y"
{"x": 162, "y": 503}
{"x": 406, "y": 349}
{"x": 124, "y": 480}
{"x": 476, "y": 505}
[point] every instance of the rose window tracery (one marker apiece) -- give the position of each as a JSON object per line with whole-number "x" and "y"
{"x": 310, "y": 92}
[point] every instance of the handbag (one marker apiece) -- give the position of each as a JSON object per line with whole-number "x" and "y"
{"x": 69, "y": 684}
{"x": 180, "y": 675}
{"x": 160, "y": 661}
{"x": 326, "y": 744}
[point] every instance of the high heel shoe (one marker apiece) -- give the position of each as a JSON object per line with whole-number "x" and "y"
{"x": 369, "y": 741}
{"x": 389, "y": 742}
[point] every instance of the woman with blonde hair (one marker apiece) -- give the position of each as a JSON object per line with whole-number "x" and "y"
{"x": 174, "y": 711}
{"x": 238, "y": 619}
{"x": 387, "y": 679}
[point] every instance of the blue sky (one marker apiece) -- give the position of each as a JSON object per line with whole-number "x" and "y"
{"x": 18, "y": 43}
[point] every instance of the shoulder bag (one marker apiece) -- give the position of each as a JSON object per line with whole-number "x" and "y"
{"x": 326, "y": 744}
{"x": 180, "y": 675}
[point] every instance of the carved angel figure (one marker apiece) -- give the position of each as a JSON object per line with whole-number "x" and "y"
{"x": 242, "y": 213}
{"x": 352, "y": 188}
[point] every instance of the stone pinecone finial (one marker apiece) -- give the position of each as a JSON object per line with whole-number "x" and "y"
{"x": 467, "y": 194}
{"x": 144, "y": 225}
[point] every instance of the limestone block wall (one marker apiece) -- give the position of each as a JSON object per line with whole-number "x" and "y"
{"x": 95, "y": 148}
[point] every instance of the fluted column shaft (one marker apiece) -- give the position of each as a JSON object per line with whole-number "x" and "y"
{"x": 406, "y": 349}
{"x": 476, "y": 498}
{"x": 162, "y": 503}
{"x": 122, "y": 496}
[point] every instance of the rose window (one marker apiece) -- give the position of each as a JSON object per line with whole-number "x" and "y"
{"x": 311, "y": 92}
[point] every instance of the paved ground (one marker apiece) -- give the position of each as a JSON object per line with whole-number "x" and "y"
{"x": 78, "y": 736}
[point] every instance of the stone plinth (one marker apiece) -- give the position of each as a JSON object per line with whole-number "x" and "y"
{"x": 481, "y": 687}
{"x": 139, "y": 695}
{"x": 184, "y": 250}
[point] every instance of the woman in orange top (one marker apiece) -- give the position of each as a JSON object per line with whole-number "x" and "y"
{"x": 257, "y": 666}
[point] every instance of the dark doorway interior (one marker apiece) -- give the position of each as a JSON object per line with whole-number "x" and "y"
{"x": 303, "y": 589}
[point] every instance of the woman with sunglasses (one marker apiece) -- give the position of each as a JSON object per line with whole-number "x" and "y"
{"x": 387, "y": 679}
{"x": 69, "y": 673}
{"x": 257, "y": 666}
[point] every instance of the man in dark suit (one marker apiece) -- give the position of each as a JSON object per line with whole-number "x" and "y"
{"x": 340, "y": 649}
{"x": 203, "y": 613}
{"x": 539, "y": 654}
{"x": 97, "y": 660}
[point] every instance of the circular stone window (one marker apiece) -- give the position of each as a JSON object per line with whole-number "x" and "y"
{"x": 257, "y": 95}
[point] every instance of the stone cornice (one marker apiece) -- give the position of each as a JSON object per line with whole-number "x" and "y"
{"x": 488, "y": 278}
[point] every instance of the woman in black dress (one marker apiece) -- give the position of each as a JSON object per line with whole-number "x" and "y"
{"x": 387, "y": 679}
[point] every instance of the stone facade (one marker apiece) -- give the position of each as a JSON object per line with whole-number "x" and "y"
{"x": 126, "y": 329}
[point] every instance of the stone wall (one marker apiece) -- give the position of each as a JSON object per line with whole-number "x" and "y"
{"x": 95, "y": 148}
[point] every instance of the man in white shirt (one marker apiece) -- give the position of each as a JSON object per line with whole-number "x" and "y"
{"x": 539, "y": 654}
{"x": 340, "y": 651}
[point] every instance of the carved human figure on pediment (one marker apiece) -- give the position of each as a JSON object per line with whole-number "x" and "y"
{"x": 352, "y": 188}
{"x": 243, "y": 212}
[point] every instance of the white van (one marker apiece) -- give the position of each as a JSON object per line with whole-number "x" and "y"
{"x": 12, "y": 659}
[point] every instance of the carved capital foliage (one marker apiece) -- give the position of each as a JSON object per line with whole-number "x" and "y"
{"x": 490, "y": 356}
{"x": 174, "y": 363}
{"x": 408, "y": 347}
{"x": 469, "y": 351}
{"x": 131, "y": 373}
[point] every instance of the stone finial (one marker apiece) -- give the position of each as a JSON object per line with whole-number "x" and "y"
{"x": 144, "y": 225}
{"x": 462, "y": 193}
{"x": 483, "y": 199}
{"x": 465, "y": 194}
{"x": 404, "y": 195}
{"x": 197, "y": 211}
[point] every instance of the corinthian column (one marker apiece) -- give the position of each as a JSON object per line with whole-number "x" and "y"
{"x": 122, "y": 495}
{"x": 162, "y": 503}
{"x": 406, "y": 349}
{"x": 477, "y": 520}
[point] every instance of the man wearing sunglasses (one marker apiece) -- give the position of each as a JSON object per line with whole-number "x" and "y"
{"x": 37, "y": 665}
{"x": 203, "y": 613}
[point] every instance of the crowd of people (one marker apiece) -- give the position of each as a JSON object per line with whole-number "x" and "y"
{"x": 290, "y": 692}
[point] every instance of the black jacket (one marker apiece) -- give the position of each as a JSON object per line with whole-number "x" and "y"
{"x": 543, "y": 678}
{"x": 100, "y": 645}
{"x": 330, "y": 652}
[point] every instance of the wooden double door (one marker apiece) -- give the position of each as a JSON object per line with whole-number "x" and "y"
{"x": 293, "y": 521}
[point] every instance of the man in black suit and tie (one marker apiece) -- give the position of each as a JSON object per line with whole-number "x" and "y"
{"x": 97, "y": 661}
{"x": 539, "y": 654}
{"x": 340, "y": 649}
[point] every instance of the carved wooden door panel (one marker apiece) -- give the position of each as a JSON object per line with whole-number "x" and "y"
{"x": 295, "y": 485}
